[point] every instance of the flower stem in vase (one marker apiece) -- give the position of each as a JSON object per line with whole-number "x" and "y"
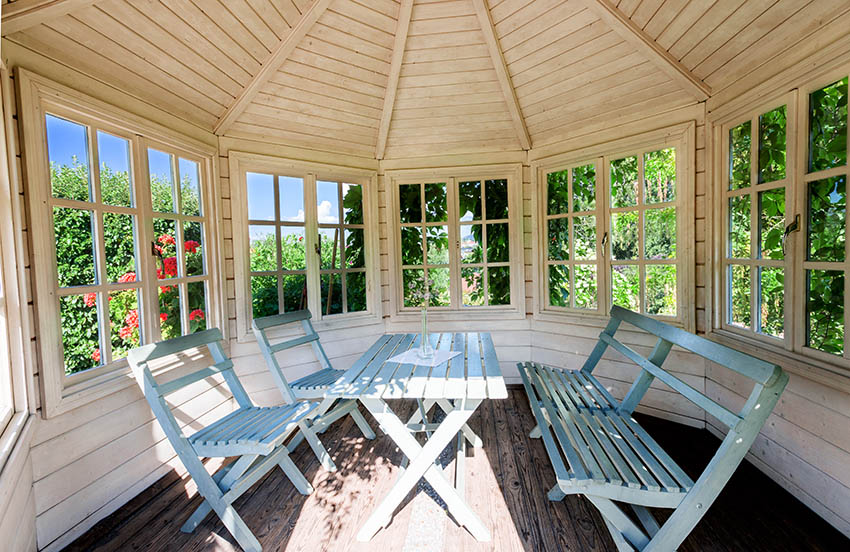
{"x": 426, "y": 351}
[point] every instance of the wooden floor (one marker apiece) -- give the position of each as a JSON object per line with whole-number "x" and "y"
{"x": 507, "y": 482}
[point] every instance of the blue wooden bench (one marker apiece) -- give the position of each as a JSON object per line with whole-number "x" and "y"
{"x": 598, "y": 450}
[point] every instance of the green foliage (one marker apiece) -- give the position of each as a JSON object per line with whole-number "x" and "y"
{"x": 739, "y": 227}
{"x": 825, "y": 310}
{"x": 660, "y": 233}
{"x": 772, "y": 307}
{"x": 827, "y": 213}
{"x": 624, "y": 235}
{"x": 772, "y": 145}
{"x": 661, "y": 289}
{"x": 584, "y": 188}
{"x": 828, "y": 126}
{"x": 740, "y": 139}
{"x": 771, "y": 223}
{"x": 659, "y": 176}
{"x": 624, "y": 182}
{"x": 740, "y": 287}
{"x": 625, "y": 286}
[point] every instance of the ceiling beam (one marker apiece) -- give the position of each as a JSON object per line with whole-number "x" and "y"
{"x": 395, "y": 70}
{"x": 643, "y": 43}
{"x": 271, "y": 64}
{"x": 504, "y": 78}
{"x": 23, "y": 14}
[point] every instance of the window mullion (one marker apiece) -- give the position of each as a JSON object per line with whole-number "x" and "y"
{"x": 149, "y": 300}
{"x": 455, "y": 280}
{"x": 641, "y": 259}
{"x": 312, "y": 258}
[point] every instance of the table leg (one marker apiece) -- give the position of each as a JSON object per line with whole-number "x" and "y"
{"x": 422, "y": 465}
{"x": 470, "y": 435}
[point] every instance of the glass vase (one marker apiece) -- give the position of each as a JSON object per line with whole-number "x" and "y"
{"x": 426, "y": 351}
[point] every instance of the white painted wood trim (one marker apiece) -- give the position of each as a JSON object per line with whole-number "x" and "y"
{"x": 402, "y": 28}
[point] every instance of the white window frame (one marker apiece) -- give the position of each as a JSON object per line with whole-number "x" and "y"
{"x": 39, "y": 96}
{"x": 682, "y": 137}
{"x": 241, "y": 163}
{"x": 512, "y": 172}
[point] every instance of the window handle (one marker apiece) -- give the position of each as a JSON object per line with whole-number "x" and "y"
{"x": 604, "y": 239}
{"x": 793, "y": 227}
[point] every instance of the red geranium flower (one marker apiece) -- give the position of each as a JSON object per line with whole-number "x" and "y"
{"x": 170, "y": 266}
{"x": 165, "y": 289}
{"x": 95, "y": 356}
{"x": 132, "y": 319}
{"x": 90, "y": 299}
{"x": 163, "y": 317}
{"x": 158, "y": 249}
{"x": 197, "y": 313}
{"x": 166, "y": 239}
{"x": 129, "y": 277}
{"x": 191, "y": 246}
{"x": 126, "y": 332}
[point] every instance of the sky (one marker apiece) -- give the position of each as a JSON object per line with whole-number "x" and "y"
{"x": 261, "y": 198}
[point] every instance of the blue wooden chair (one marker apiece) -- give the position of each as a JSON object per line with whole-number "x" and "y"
{"x": 254, "y": 435}
{"x": 312, "y": 386}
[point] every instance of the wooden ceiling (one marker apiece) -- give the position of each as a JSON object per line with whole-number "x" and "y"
{"x": 408, "y": 78}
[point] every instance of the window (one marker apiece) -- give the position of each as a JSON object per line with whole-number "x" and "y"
{"x": 457, "y": 234}
{"x": 7, "y": 404}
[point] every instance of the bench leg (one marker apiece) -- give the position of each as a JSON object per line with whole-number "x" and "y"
{"x": 294, "y": 474}
{"x": 536, "y": 433}
{"x": 621, "y": 523}
{"x": 318, "y": 448}
{"x": 621, "y": 543}
{"x": 361, "y": 422}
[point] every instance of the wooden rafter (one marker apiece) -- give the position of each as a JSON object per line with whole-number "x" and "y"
{"x": 395, "y": 69}
{"x": 489, "y": 31}
{"x": 271, "y": 64}
{"x": 643, "y": 43}
{"x": 23, "y": 14}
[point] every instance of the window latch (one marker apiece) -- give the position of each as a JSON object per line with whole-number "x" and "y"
{"x": 793, "y": 227}
{"x": 604, "y": 239}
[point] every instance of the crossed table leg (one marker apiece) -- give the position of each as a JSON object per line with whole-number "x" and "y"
{"x": 423, "y": 464}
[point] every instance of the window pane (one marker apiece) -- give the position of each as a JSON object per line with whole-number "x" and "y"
{"x": 739, "y": 156}
{"x": 470, "y": 244}
{"x": 624, "y": 235}
{"x": 292, "y": 249}
{"x": 559, "y": 239}
{"x": 771, "y": 223}
{"x": 294, "y": 292}
{"x": 827, "y": 212}
{"x": 825, "y": 310}
{"x": 660, "y": 233}
{"x": 437, "y": 244}
{"x": 469, "y": 197}
{"x": 352, "y": 203}
{"x": 624, "y": 182}
{"x": 125, "y": 333}
{"x": 169, "y": 311}
{"x": 772, "y": 306}
{"x": 190, "y": 187}
{"x": 772, "y": 145}
{"x": 291, "y": 191}
{"x": 327, "y": 202}
{"x": 119, "y": 246}
{"x": 355, "y": 256}
{"x": 440, "y": 287}
{"x": 584, "y": 237}
{"x": 260, "y": 196}
{"x": 263, "y": 248}
{"x": 559, "y": 285}
{"x": 330, "y": 244}
{"x": 585, "y": 286}
{"x": 355, "y": 283}
{"x": 412, "y": 282}
{"x": 659, "y": 171}
{"x": 161, "y": 173}
{"x": 68, "y": 154}
{"x": 264, "y": 296}
{"x": 193, "y": 248}
{"x": 661, "y": 289}
{"x": 584, "y": 188}
{"x": 558, "y": 195}
{"x": 473, "y": 287}
{"x": 166, "y": 247}
{"x": 828, "y": 126}
{"x": 499, "y": 285}
{"x": 740, "y": 295}
{"x": 739, "y": 227}
{"x": 436, "y": 206}
{"x": 496, "y": 192}
{"x": 498, "y": 246}
{"x": 74, "y": 247}
{"x": 411, "y": 245}
{"x": 409, "y": 203}
{"x": 114, "y": 156}
{"x": 625, "y": 286}
{"x": 331, "y": 293}
{"x": 80, "y": 332}
{"x": 197, "y": 306}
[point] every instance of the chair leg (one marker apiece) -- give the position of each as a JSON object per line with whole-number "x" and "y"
{"x": 622, "y": 524}
{"x": 224, "y": 483}
{"x": 236, "y": 526}
{"x": 361, "y": 422}
{"x": 556, "y": 494}
{"x": 294, "y": 474}
{"x": 317, "y": 446}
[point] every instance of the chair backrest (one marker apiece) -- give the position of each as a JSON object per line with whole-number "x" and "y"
{"x": 261, "y": 326}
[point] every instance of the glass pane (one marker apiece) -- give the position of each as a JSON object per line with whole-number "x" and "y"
{"x": 331, "y": 294}
{"x": 409, "y": 203}
{"x": 624, "y": 182}
{"x": 161, "y": 173}
{"x": 190, "y": 187}
{"x": 327, "y": 201}
{"x": 355, "y": 252}
{"x": 355, "y": 284}
{"x": 659, "y": 176}
{"x": 771, "y": 223}
{"x": 584, "y": 188}
{"x": 292, "y": 248}
{"x": 437, "y": 244}
{"x": 739, "y": 156}
{"x": 739, "y": 227}
{"x": 114, "y": 156}
{"x": 559, "y": 239}
{"x": 740, "y": 296}
{"x": 411, "y": 245}
{"x": 584, "y": 237}
{"x": 472, "y": 286}
{"x": 169, "y": 311}
{"x": 193, "y": 248}
{"x": 825, "y": 310}
{"x": 352, "y": 203}
{"x": 436, "y": 206}
{"x": 772, "y": 145}
{"x": 197, "y": 306}
{"x": 624, "y": 235}
{"x": 119, "y": 247}
{"x": 497, "y": 243}
{"x": 166, "y": 248}
{"x": 330, "y": 246}
{"x": 469, "y": 197}
{"x": 772, "y": 307}
{"x": 827, "y": 213}
{"x": 413, "y": 280}
{"x": 80, "y": 332}
{"x": 499, "y": 285}
{"x": 496, "y": 192}
{"x": 291, "y": 192}
{"x": 470, "y": 244}
{"x": 660, "y": 233}
{"x": 260, "y": 196}
{"x": 439, "y": 287}
{"x": 264, "y": 296}
{"x": 68, "y": 154}
{"x": 125, "y": 333}
{"x": 559, "y": 285}
{"x": 828, "y": 126}
{"x": 661, "y": 289}
{"x": 558, "y": 194}
{"x": 294, "y": 292}
{"x": 585, "y": 286}
{"x": 74, "y": 247}
{"x": 263, "y": 248}
{"x": 625, "y": 286}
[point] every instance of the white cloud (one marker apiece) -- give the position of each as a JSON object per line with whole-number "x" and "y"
{"x": 297, "y": 218}
{"x": 326, "y": 213}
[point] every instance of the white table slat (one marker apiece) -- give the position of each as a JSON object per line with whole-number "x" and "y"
{"x": 419, "y": 378}
{"x": 398, "y": 384}
{"x": 456, "y": 382}
{"x": 476, "y": 384}
{"x": 338, "y": 388}
{"x": 383, "y": 378}
{"x": 495, "y": 382}
{"x": 437, "y": 381}
{"x": 364, "y": 378}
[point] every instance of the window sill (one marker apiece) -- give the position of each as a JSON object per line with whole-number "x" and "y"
{"x": 16, "y": 436}
{"x": 83, "y": 392}
{"x": 327, "y": 324}
{"x": 593, "y": 319}
{"x": 466, "y": 315}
